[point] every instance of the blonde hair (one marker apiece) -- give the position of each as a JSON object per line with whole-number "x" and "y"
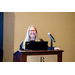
{"x": 27, "y": 38}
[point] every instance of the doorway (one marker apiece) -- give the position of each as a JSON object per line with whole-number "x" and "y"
{"x": 1, "y": 36}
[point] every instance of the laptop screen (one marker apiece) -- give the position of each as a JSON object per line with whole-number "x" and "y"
{"x": 36, "y": 45}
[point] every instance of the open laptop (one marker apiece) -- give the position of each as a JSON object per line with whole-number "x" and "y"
{"x": 36, "y": 45}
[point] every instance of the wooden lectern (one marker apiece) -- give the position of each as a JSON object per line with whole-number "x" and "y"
{"x": 21, "y": 56}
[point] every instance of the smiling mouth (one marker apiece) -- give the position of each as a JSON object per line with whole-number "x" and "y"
{"x": 32, "y": 34}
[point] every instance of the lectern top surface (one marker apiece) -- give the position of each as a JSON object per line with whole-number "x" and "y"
{"x": 41, "y": 51}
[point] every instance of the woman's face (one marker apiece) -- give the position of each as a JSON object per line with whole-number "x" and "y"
{"x": 32, "y": 32}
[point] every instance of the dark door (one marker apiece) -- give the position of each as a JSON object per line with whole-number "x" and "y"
{"x": 1, "y": 36}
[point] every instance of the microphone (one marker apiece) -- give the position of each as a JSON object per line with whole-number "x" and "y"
{"x": 49, "y": 34}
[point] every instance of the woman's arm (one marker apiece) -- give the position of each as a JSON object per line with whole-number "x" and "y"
{"x": 53, "y": 48}
{"x": 21, "y": 46}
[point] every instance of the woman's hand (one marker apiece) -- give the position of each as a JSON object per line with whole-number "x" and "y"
{"x": 56, "y": 48}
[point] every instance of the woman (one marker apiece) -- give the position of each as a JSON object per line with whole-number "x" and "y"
{"x": 31, "y": 36}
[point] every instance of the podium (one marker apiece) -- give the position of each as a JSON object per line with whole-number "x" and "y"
{"x": 21, "y": 56}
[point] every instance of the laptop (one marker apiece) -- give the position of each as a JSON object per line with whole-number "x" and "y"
{"x": 36, "y": 45}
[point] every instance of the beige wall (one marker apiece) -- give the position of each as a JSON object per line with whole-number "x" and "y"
{"x": 60, "y": 25}
{"x": 8, "y": 36}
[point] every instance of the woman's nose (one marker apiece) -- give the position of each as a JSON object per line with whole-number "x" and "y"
{"x": 32, "y": 32}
